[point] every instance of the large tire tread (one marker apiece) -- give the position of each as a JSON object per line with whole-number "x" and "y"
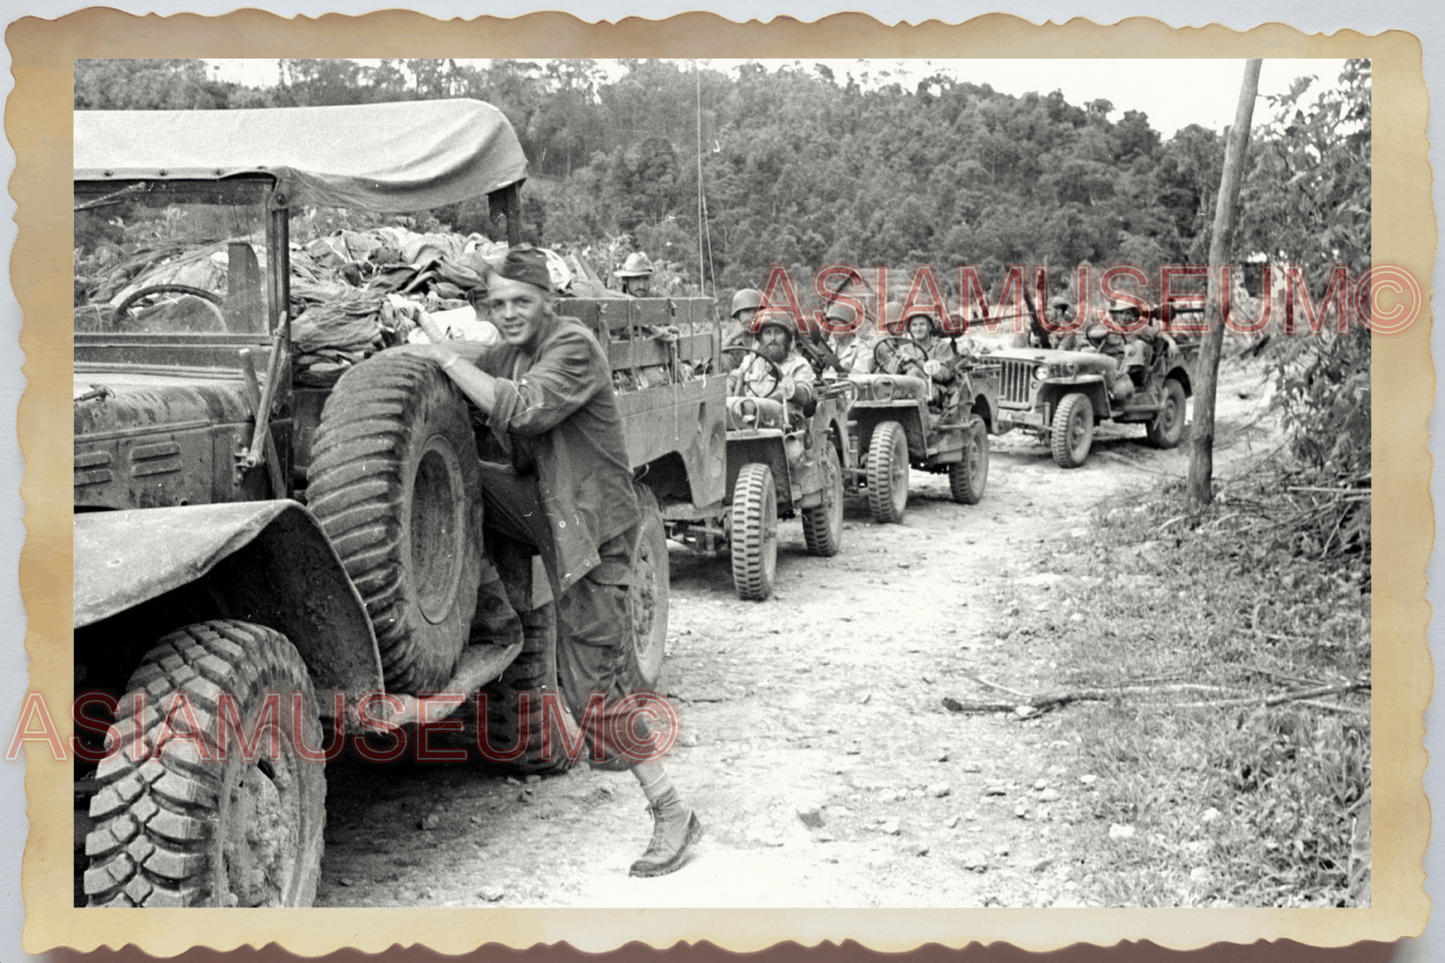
{"x": 368, "y": 447}
{"x": 155, "y": 841}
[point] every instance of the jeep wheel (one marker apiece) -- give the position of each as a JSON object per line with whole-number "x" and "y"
{"x": 968, "y": 477}
{"x": 192, "y": 821}
{"x": 1073, "y": 430}
{"x": 888, "y": 472}
{"x": 754, "y": 529}
{"x": 823, "y": 525}
{"x": 393, "y": 479}
{"x": 1166, "y": 429}
{"x": 533, "y": 673}
{"x": 651, "y": 587}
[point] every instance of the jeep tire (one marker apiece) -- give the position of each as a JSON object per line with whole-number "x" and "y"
{"x": 1072, "y": 434}
{"x": 393, "y": 480}
{"x": 888, "y": 472}
{"x": 823, "y": 524}
{"x": 189, "y": 821}
{"x": 968, "y": 477}
{"x": 1168, "y": 426}
{"x": 754, "y": 532}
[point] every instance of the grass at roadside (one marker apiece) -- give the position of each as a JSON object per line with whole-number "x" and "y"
{"x": 1202, "y": 800}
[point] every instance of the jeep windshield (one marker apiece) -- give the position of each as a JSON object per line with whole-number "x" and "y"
{"x": 172, "y": 258}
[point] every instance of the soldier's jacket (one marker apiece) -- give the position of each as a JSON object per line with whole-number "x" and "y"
{"x": 856, "y": 357}
{"x": 758, "y": 377}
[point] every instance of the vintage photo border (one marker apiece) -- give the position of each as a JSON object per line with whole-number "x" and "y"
{"x": 37, "y": 123}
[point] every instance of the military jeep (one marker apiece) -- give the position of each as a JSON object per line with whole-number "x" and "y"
{"x": 1061, "y": 395}
{"x": 894, "y": 424}
{"x": 244, "y": 534}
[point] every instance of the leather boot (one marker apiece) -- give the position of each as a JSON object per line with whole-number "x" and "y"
{"x": 675, "y": 828}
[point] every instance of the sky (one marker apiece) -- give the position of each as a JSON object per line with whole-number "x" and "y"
{"x": 1173, "y": 93}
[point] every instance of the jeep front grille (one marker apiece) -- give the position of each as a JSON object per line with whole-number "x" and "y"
{"x": 1016, "y": 386}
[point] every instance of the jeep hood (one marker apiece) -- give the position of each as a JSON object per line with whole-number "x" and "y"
{"x": 1088, "y": 362}
{"x": 110, "y": 401}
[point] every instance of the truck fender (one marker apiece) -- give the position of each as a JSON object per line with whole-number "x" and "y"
{"x": 265, "y": 562}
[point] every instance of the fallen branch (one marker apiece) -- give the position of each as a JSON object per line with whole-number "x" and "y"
{"x": 1283, "y": 697}
{"x": 1053, "y": 700}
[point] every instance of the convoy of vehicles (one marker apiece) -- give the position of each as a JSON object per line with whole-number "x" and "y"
{"x": 244, "y": 533}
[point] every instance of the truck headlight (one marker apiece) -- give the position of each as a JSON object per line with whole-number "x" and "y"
{"x": 883, "y": 389}
{"x": 1041, "y": 373}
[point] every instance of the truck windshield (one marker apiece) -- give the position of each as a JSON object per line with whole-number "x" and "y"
{"x": 170, "y": 258}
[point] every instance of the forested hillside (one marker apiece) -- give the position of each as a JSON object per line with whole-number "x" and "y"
{"x": 802, "y": 167}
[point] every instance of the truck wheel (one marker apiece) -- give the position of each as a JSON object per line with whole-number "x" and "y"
{"x": 754, "y": 532}
{"x": 188, "y": 820}
{"x": 1073, "y": 430}
{"x": 823, "y": 525}
{"x": 968, "y": 477}
{"x": 393, "y": 479}
{"x": 651, "y": 588}
{"x": 1166, "y": 429}
{"x": 534, "y": 672}
{"x": 888, "y": 472}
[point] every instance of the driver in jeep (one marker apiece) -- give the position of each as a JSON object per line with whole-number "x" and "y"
{"x": 775, "y": 370}
{"x": 1129, "y": 351}
{"x": 932, "y": 363}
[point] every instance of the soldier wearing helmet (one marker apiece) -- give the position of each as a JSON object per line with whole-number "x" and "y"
{"x": 1058, "y": 329}
{"x": 755, "y": 376}
{"x": 635, "y": 275}
{"x": 1127, "y": 343}
{"x": 739, "y": 333}
{"x": 854, "y": 355}
{"x": 936, "y": 367}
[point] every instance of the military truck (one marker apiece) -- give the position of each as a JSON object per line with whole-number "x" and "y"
{"x": 894, "y": 425}
{"x": 1060, "y": 396}
{"x": 266, "y": 559}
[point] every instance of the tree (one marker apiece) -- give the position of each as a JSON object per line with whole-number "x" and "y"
{"x": 1201, "y": 454}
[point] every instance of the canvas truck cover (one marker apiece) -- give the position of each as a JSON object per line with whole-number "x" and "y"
{"x": 393, "y": 158}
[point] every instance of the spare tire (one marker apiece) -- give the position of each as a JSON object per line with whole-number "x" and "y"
{"x": 393, "y": 479}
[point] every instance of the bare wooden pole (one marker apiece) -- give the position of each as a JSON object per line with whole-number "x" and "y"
{"x": 1201, "y": 452}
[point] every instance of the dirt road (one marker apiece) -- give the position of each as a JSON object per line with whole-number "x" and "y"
{"x": 813, "y": 739}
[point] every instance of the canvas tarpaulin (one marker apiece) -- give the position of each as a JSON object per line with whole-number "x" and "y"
{"x": 396, "y": 157}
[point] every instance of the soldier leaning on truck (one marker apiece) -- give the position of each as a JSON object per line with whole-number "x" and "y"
{"x": 549, "y": 382}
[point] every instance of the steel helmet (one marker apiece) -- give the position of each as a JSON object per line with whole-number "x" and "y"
{"x": 841, "y": 311}
{"x": 921, "y": 312}
{"x": 777, "y": 319}
{"x": 637, "y": 265}
{"x": 1116, "y": 307}
{"x": 745, "y": 299}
